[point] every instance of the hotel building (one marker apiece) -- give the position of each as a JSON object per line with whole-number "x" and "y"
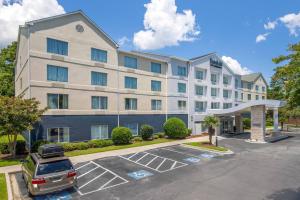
{"x": 90, "y": 86}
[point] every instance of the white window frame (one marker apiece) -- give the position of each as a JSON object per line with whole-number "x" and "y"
{"x": 58, "y": 139}
{"x": 100, "y": 138}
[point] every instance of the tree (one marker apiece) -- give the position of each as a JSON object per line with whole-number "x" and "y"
{"x": 211, "y": 122}
{"x": 285, "y": 82}
{"x": 16, "y": 116}
{"x": 7, "y": 64}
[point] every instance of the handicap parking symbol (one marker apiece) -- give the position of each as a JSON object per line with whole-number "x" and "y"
{"x": 206, "y": 155}
{"x": 56, "y": 196}
{"x": 139, "y": 174}
{"x": 192, "y": 160}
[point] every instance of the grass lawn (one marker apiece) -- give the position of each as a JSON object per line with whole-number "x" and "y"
{"x": 4, "y": 138}
{"x": 9, "y": 162}
{"x": 110, "y": 148}
{"x": 205, "y": 145}
{"x": 3, "y": 190}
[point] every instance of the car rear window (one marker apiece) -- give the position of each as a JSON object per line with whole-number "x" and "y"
{"x": 53, "y": 167}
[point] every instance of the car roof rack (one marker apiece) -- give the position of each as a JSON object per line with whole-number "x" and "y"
{"x": 50, "y": 150}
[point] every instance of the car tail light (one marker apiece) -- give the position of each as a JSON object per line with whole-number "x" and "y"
{"x": 38, "y": 181}
{"x": 71, "y": 174}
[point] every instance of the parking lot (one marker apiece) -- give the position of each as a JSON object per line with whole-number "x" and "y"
{"x": 255, "y": 171}
{"x": 105, "y": 178}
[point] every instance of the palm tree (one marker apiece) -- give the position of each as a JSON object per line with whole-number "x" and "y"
{"x": 211, "y": 122}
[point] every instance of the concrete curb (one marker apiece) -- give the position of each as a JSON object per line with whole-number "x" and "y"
{"x": 229, "y": 152}
{"x": 8, "y": 186}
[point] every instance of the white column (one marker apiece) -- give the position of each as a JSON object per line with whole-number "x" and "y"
{"x": 275, "y": 119}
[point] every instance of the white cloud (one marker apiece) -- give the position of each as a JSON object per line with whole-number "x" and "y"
{"x": 123, "y": 41}
{"x": 15, "y": 12}
{"x": 235, "y": 66}
{"x": 164, "y": 26}
{"x": 270, "y": 25}
{"x": 292, "y": 22}
{"x": 262, "y": 37}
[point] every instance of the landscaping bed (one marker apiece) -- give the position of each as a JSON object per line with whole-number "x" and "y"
{"x": 206, "y": 145}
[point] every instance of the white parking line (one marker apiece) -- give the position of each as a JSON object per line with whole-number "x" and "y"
{"x": 180, "y": 152}
{"x": 142, "y": 157}
{"x": 87, "y": 172}
{"x": 92, "y": 180}
{"x": 83, "y": 166}
{"x": 181, "y": 164}
{"x": 104, "y": 186}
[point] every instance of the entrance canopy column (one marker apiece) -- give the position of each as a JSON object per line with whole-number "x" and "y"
{"x": 238, "y": 123}
{"x": 275, "y": 119}
{"x": 258, "y": 123}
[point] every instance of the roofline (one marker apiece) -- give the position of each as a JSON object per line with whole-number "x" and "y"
{"x": 200, "y": 57}
{"x": 169, "y": 57}
{"x": 72, "y": 13}
{"x": 141, "y": 55}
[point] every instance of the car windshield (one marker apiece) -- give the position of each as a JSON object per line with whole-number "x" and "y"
{"x": 55, "y": 166}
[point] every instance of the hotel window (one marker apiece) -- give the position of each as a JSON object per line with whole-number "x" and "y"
{"x": 249, "y": 86}
{"x": 256, "y": 97}
{"x": 236, "y": 83}
{"x": 130, "y": 82}
{"x": 213, "y": 79}
{"x": 242, "y": 96}
{"x": 215, "y": 105}
{"x": 57, "y": 47}
{"x": 155, "y": 104}
{"x": 199, "y": 75}
{"x": 181, "y": 71}
{"x": 263, "y": 88}
{"x": 227, "y": 105}
{"x": 58, "y": 135}
{"x": 182, "y": 105}
{"x": 156, "y": 86}
{"x": 225, "y": 80}
{"x": 98, "y": 55}
{"x": 199, "y": 90}
{"x": 214, "y": 92}
{"x": 200, "y": 106}
{"x": 99, "y": 132}
{"x": 155, "y": 67}
{"x": 181, "y": 87}
{"x": 57, "y": 101}
{"x": 134, "y": 127}
{"x": 99, "y": 78}
{"x": 55, "y": 73}
{"x": 226, "y": 94}
{"x": 249, "y": 96}
{"x": 256, "y": 87}
{"x": 263, "y": 97}
{"x": 130, "y": 104}
{"x": 236, "y": 95}
{"x": 99, "y": 102}
{"x": 130, "y": 62}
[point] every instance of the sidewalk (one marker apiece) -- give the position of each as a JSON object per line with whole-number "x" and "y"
{"x": 89, "y": 157}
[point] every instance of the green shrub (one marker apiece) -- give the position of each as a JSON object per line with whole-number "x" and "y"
{"x": 246, "y": 123}
{"x": 146, "y": 132}
{"x": 189, "y": 130}
{"x": 20, "y": 147}
{"x": 121, "y": 135}
{"x": 99, "y": 143}
{"x": 137, "y": 139}
{"x": 175, "y": 128}
{"x": 269, "y": 122}
{"x": 155, "y": 137}
{"x": 72, "y": 146}
{"x": 35, "y": 146}
{"x": 161, "y": 135}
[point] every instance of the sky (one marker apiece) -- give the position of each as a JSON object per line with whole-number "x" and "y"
{"x": 246, "y": 34}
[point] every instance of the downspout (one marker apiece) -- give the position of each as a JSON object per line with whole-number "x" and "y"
{"x": 166, "y": 91}
{"x": 118, "y": 91}
{"x": 188, "y": 93}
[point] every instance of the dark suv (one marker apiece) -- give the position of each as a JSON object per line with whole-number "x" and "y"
{"x": 48, "y": 171}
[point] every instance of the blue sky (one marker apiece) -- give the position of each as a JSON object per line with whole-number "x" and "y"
{"x": 229, "y": 28}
